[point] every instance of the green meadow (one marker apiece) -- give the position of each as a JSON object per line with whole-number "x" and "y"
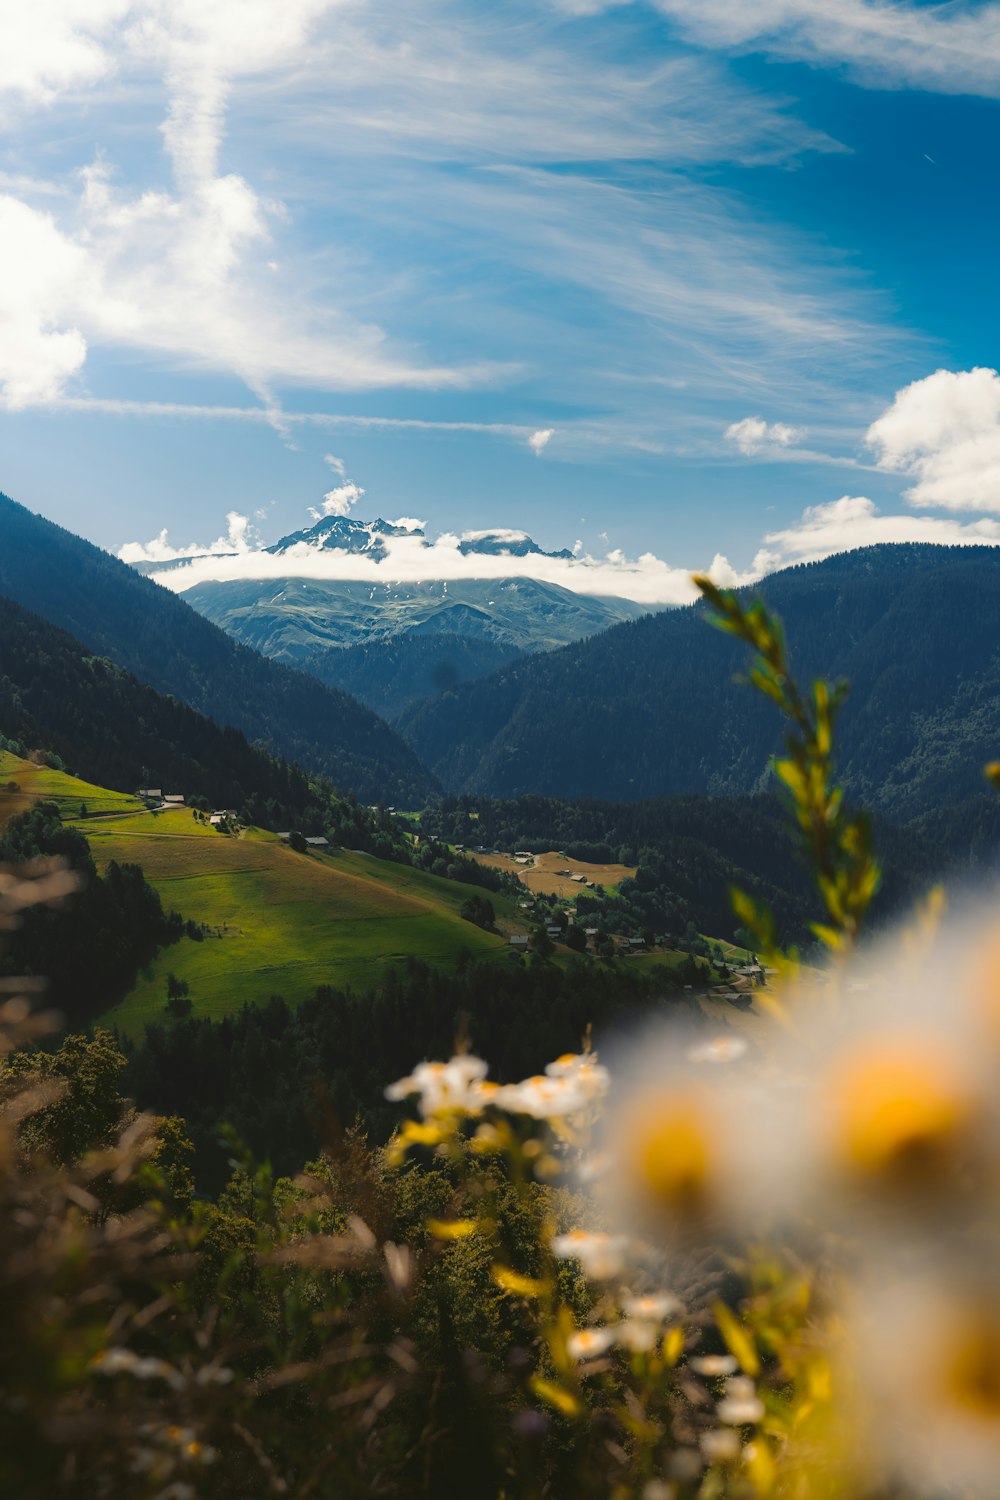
{"x": 279, "y": 922}
{"x": 41, "y": 782}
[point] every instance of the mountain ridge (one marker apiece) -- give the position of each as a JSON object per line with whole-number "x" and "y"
{"x": 115, "y": 612}
{"x": 290, "y": 618}
{"x": 650, "y": 708}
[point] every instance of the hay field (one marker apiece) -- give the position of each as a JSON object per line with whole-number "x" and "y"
{"x": 540, "y": 877}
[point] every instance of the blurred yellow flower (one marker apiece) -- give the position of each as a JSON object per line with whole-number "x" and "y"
{"x": 668, "y": 1152}
{"x": 901, "y": 1113}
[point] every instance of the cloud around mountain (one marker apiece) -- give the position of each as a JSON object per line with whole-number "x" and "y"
{"x": 412, "y": 557}
{"x": 941, "y": 433}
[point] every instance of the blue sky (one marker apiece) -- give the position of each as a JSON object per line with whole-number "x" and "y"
{"x": 679, "y": 282}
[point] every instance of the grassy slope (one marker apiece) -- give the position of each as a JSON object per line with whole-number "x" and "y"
{"x": 287, "y": 922}
{"x": 36, "y": 782}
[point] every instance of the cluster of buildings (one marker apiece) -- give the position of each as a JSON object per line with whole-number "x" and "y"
{"x": 157, "y": 800}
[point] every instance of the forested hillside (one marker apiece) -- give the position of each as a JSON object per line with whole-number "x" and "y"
{"x": 391, "y": 674}
{"x": 656, "y": 706}
{"x": 288, "y": 618}
{"x": 104, "y": 724}
{"x": 691, "y": 851}
{"x": 150, "y": 632}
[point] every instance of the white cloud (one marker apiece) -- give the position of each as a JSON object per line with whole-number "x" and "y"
{"x": 539, "y": 440}
{"x": 240, "y": 538}
{"x": 41, "y": 272}
{"x": 944, "y": 432}
{"x": 50, "y": 45}
{"x": 336, "y": 464}
{"x": 182, "y": 273}
{"x": 211, "y": 271}
{"x": 854, "y": 521}
{"x": 753, "y": 434}
{"x": 339, "y": 501}
{"x": 953, "y": 48}
{"x": 417, "y": 78}
{"x": 647, "y": 579}
{"x": 499, "y": 533}
{"x": 409, "y": 523}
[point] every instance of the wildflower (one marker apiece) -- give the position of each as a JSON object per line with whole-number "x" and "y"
{"x": 901, "y": 1113}
{"x": 453, "y": 1086}
{"x": 927, "y": 1361}
{"x": 685, "y": 1465}
{"x": 741, "y": 1403}
{"x": 669, "y": 1152}
{"x": 588, "y": 1343}
{"x": 584, "y": 1070}
{"x": 115, "y": 1361}
{"x": 398, "y": 1265}
{"x": 721, "y": 1049}
{"x": 544, "y": 1098}
{"x": 720, "y": 1445}
{"x": 654, "y": 1307}
{"x": 638, "y": 1335}
{"x": 601, "y": 1256}
{"x": 158, "y": 1369}
{"x": 714, "y": 1364}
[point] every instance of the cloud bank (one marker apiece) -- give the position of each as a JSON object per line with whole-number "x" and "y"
{"x": 413, "y": 559}
{"x": 944, "y": 432}
{"x": 953, "y": 48}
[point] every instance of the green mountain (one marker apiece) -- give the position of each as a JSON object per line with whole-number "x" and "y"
{"x": 391, "y": 674}
{"x": 656, "y": 706}
{"x": 110, "y": 728}
{"x": 294, "y": 618}
{"x": 155, "y": 635}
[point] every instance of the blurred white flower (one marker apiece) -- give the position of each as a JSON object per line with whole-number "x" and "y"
{"x": 741, "y": 1404}
{"x": 720, "y": 1445}
{"x": 721, "y": 1049}
{"x": 637, "y": 1335}
{"x": 544, "y": 1098}
{"x": 714, "y": 1364}
{"x": 456, "y": 1085}
{"x": 588, "y": 1343}
{"x": 601, "y": 1256}
{"x": 584, "y": 1070}
{"x": 924, "y": 1350}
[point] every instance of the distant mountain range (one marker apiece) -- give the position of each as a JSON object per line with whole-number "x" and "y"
{"x": 346, "y": 534}
{"x": 152, "y": 633}
{"x": 656, "y": 706}
{"x": 300, "y": 620}
{"x": 292, "y": 617}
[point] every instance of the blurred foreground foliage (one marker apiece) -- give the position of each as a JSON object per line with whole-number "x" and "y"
{"x": 549, "y": 1288}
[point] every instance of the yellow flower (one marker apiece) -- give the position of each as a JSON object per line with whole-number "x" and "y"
{"x": 902, "y": 1113}
{"x": 669, "y": 1152}
{"x": 970, "y": 1367}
